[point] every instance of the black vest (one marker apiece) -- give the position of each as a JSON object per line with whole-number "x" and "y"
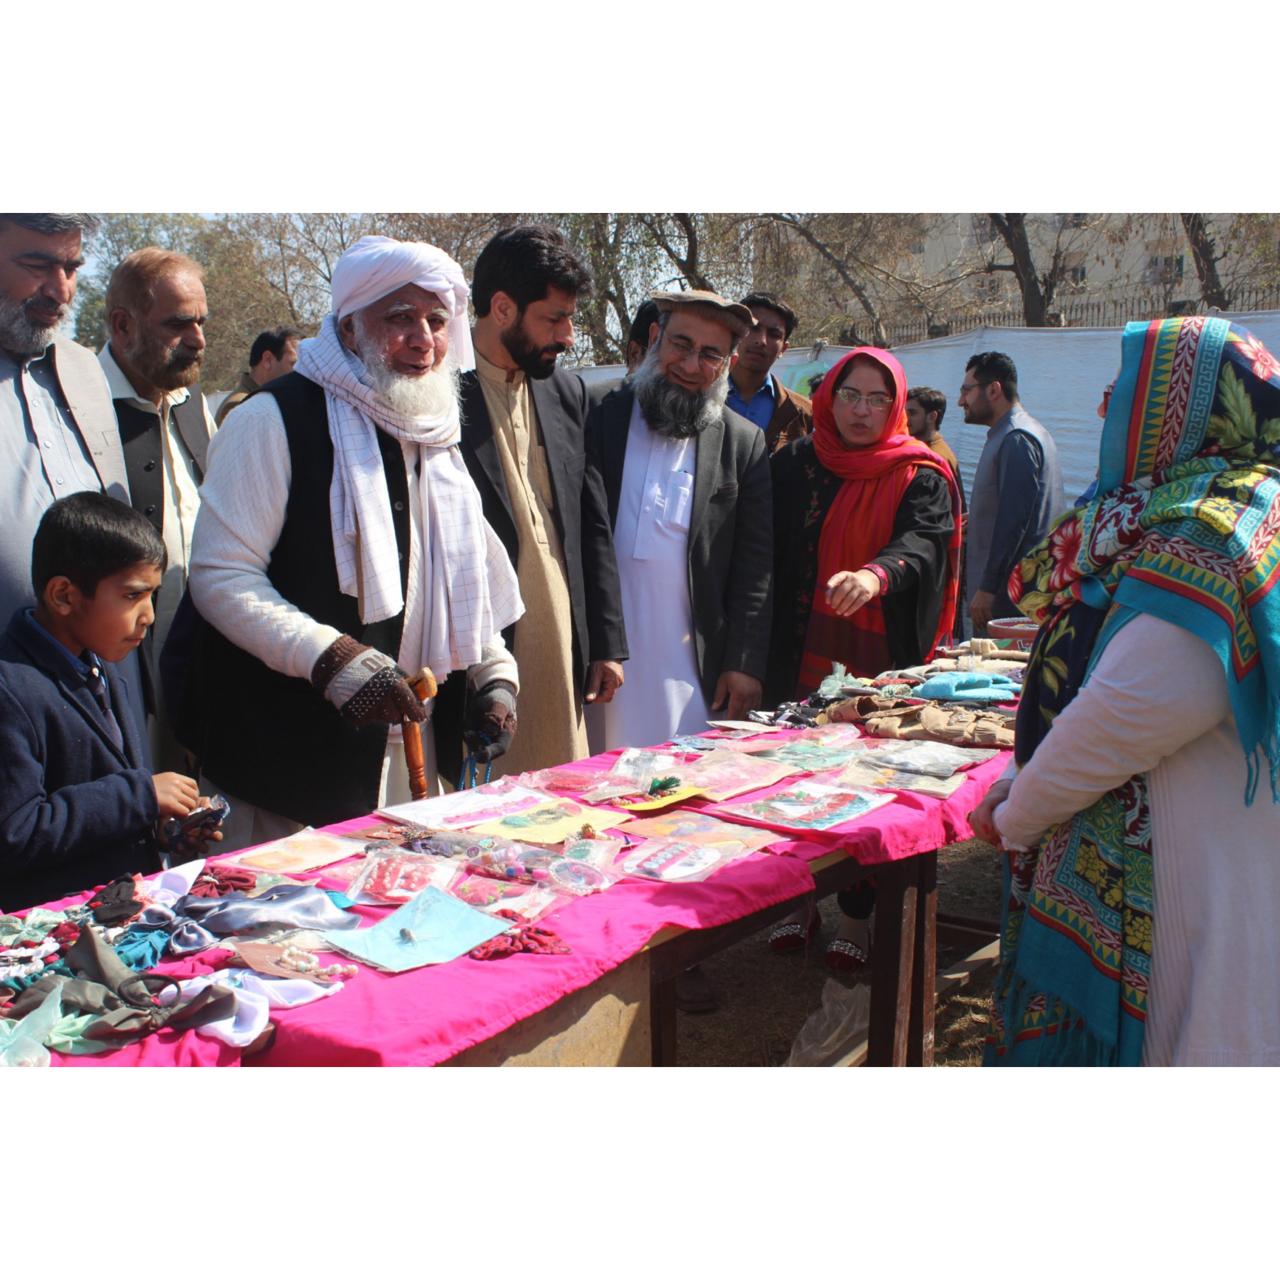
{"x": 271, "y": 739}
{"x": 144, "y": 451}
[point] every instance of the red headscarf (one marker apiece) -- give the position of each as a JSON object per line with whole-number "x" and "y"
{"x": 876, "y": 477}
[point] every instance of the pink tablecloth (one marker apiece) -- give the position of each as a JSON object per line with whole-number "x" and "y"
{"x": 429, "y": 1015}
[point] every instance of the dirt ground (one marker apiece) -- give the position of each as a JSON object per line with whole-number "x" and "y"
{"x": 766, "y": 998}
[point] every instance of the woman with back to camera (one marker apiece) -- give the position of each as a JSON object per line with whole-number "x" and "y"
{"x": 1143, "y": 825}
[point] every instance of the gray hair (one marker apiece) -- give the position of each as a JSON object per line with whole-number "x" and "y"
{"x": 54, "y": 224}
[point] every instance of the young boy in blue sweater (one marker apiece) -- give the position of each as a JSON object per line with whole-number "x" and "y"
{"x": 79, "y": 804}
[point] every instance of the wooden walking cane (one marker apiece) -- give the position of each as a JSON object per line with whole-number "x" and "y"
{"x": 424, "y": 685}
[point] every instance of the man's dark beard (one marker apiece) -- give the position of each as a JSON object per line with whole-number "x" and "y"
{"x": 672, "y": 411}
{"x": 536, "y": 362}
{"x": 170, "y": 370}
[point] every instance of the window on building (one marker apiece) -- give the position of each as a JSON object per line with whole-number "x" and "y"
{"x": 1164, "y": 268}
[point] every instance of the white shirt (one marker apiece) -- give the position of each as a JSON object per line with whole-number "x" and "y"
{"x": 662, "y": 695}
{"x": 181, "y": 487}
{"x": 1157, "y": 704}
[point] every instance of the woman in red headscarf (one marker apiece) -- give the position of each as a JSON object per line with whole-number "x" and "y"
{"x": 866, "y": 535}
{"x": 866, "y": 547}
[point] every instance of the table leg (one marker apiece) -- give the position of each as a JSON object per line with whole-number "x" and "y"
{"x": 924, "y": 971}
{"x": 892, "y": 963}
{"x": 662, "y": 1021}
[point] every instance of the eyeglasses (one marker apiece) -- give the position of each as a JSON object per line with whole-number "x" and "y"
{"x": 970, "y": 386}
{"x": 877, "y": 401}
{"x": 708, "y": 357}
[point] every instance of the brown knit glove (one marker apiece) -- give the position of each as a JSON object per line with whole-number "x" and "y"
{"x": 365, "y": 685}
{"x": 489, "y": 722}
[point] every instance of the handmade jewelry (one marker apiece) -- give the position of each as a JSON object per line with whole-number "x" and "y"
{"x": 305, "y": 963}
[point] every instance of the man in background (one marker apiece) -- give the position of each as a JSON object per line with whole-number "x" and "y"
{"x": 273, "y": 354}
{"x": 926, "y": 408}
{"x": 638, "y": 338}
{"x": 783, "y": 415}
{"x": 1017, "y": 488}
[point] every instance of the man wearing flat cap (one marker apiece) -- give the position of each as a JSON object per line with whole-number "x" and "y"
{"x": 688, "y": 488}
{"x": 341, "y": 544}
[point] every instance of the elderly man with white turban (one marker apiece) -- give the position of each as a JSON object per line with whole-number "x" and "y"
{"x": 341, "y": 544}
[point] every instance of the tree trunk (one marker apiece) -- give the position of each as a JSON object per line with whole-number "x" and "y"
{"x": 1203, "y": 251}
{"x": 1012, "y": 229}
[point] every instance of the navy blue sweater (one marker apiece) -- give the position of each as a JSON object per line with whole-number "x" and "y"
{"x": 76, "y": 810}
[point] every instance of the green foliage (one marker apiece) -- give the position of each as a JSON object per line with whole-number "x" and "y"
{"x": 1237, "y": 423}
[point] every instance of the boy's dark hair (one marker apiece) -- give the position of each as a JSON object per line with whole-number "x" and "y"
{"x": 524, "y": 262}
{"x": 931, "y": 400}
{"x": 87, "y": 537}
{"x": 272, "y": 340}
{"x": 995, "y": 366}
{"x": 754, "y": 300}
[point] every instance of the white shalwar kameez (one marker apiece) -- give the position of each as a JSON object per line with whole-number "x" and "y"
{"x": 662, "y": 695}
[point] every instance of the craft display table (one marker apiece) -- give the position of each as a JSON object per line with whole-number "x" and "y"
{"x": 610, "y": 1000}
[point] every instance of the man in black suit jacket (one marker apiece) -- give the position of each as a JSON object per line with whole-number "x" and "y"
{"x": 522, "y": 439}
{"x": 717, "y": 503}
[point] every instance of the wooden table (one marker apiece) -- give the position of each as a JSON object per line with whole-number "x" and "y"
{"x": 903, "y": 960}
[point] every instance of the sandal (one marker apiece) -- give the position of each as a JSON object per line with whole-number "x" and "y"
{"x": 843, "y": 956}
{"x": 791, "y": 935}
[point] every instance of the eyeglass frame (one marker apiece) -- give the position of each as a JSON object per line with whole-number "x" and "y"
{"x": 712, "y": 362}
{"x": 853, "y": 398}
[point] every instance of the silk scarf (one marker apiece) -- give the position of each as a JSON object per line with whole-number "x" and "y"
{"x": 1186, "y": 527}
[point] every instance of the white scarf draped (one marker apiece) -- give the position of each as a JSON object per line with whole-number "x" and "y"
{"x": 466, "y": 588}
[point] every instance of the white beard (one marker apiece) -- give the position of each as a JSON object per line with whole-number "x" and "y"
{"x": 434, "y": 395}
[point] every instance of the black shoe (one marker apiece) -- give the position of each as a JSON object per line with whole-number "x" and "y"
{"x": 694, "y": 993}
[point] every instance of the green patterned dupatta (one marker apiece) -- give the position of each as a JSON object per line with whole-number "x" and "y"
{"x": 1186, "y": 527}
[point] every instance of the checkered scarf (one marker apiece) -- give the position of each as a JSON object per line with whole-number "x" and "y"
{"x": 466, "y": 586}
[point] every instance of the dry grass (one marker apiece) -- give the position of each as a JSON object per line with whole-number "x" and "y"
{"x": 765, "y": 998}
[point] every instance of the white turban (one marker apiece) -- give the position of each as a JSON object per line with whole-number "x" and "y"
{"x": 376, "y": 265}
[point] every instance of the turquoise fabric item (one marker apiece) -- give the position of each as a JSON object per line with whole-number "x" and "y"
{"x": 968, "y": 686}
{"x": 141, "y": 948}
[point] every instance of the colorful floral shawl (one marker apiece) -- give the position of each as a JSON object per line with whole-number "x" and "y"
{"x": 1186, "y": 527}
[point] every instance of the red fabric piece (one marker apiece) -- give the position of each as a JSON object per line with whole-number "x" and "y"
{"x": 528, "y": 937}
{"x": 217, "y": 880}
{"x": 65, "y": 934}
{"x": 860, "y": 523}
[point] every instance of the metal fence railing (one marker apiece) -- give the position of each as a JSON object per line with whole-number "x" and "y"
{"x": 1078, "y": 313}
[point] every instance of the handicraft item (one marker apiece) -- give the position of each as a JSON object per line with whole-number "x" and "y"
{"x": 551, "y": 822}
{"x": 392, "y": 874}
{"x": 678, "y": 860}
{"x": 303, "y": 851}
{"x": 808, "y": 806}
{"x": 699, "y": 827}
{"x": 431, "y": 928}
